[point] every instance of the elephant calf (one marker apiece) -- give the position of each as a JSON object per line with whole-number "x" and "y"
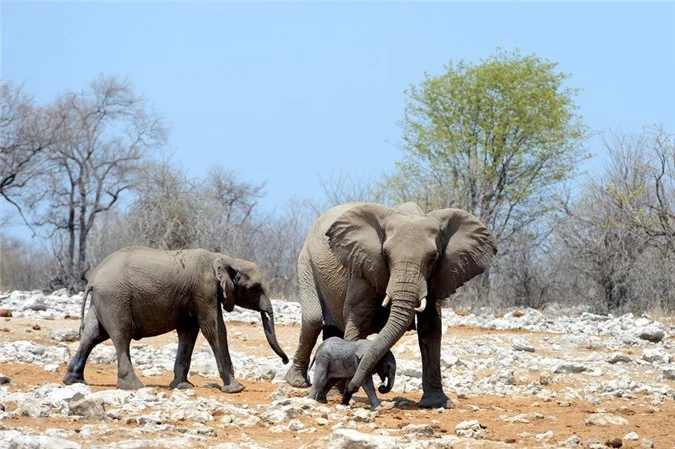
{"x": 140, "y": 292}
{"x": 337, "y": 359}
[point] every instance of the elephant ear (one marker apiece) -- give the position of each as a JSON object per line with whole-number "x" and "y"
{"x": 223, "y": 273}
{"x": 467, "y": 252}
{"x": 356, "y": 237}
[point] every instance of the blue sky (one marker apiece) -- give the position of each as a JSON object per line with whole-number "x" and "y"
{"x": 290, "y": 93}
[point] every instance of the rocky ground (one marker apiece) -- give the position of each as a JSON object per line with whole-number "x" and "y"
{"x": 551, "y": 379}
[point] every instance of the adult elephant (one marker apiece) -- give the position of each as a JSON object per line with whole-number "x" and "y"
{"x": 140, "y": 292}
{"x": 367, "y": 268}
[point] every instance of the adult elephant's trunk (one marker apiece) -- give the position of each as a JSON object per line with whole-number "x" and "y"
{"x": 400, "y": 317}
{"x": 407, "y": 286}
{"x": 267, "y": 315}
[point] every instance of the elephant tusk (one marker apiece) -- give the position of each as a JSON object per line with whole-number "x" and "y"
{"x": 423, "y": 305}
{"x": 386, "y": 301}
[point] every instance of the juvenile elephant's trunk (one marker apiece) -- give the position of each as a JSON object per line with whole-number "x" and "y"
{"x": 267, "y": 315}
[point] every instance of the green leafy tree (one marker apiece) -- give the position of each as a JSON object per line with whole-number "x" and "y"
{"x": 493, "y": 138}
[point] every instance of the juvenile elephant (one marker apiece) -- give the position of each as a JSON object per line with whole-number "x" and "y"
{"x": 140, "y": 292}
{"x": 367, "y": 268}
{"x": 337, "y": 359}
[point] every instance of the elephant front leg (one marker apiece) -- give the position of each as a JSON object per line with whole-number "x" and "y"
{"x": 429, "y": 336}
{"x": 214, "y": 330}
{"x": 310, "y": 328}
{"x": 369, "y": 388}
{"x": 360, "y": 308}
{"x": 187, "y": 336}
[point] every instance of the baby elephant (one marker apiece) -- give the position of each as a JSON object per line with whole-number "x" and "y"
{"x": 337, "y": 359}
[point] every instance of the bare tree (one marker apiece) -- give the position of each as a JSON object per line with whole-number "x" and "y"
{"x": 25, "y": 134}
{"x": 25, "y": 266}
{"x": 163, "y": 214}
{"x": 619, "y": 233}
{"x": 228, "y": 216}
{"x": 106, "y": 134}
{"x": 278, "y": 245}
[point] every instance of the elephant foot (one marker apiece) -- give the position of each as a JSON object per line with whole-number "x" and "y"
{"x": 132, "y": 383}
{"x": 436, "y": 399}
{"x": 296, "y": 376}
{"x": 234, "y": 387}
{"x": 321, "y": 400}
{"x": 73, "y": 378}
{"x": 181, "y": 384}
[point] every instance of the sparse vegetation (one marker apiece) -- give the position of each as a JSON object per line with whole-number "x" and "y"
{"x": 500, "y": 138}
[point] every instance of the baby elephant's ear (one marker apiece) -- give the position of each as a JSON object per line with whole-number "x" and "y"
{"x": 222, "y": 273}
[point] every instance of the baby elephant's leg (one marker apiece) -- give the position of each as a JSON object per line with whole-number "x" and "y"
{"x": 370, "y": 391}
{"x": 320, "y": 381}
{"x": 321, "y": 397}
{"x": 347, "y": 396}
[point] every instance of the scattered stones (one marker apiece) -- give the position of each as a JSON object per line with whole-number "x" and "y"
{"x": 523, "y": 418}
{"x": 569, "y": 368}
{"x": 655, "y": 355}
{"x": 646, "y": 443}
{"x": 86, "y": 408}
{"x": 631, "y": 436}
{"x": 418, "y": 430}
{"x": 522, "y": 346}
{"x": 4, "y": 313}
{"x": 470, "y": 429}
{"x": 669, "y": 373}
{"x": 609, "y": 350}
{"x": 605, "y": 419}
{"x": 572, "y": 441}
{"x": 615, "y": 443}
{"x": 619, "y": 357}
{"x": 650, "y": 333}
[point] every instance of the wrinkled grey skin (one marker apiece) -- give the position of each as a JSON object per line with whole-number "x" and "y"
{"x": 337, "y": 359}
{"x": 139, "y": 292}
{"x": 357, "y": 254}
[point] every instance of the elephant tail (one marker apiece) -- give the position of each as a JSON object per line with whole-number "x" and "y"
{"x": 87, "y": 290}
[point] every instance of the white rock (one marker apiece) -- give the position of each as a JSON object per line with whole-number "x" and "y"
{"x": 51, "y": 367}
{"x": 651, "y": 333}
{"x": 14, "y": 439}
{"x": 418, "y": 429}
{"x": 569, "y": 368}
{"x": 631, "y": 436}
{"x": 64, "y": 335}
{"x": 605, "y": 419}
{"x": 655, "y": 355}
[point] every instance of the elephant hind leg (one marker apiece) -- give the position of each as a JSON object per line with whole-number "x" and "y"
{"x": 92, "y": 334}
{"x": 187, "y": 336}
{"x": 126, "y": 377}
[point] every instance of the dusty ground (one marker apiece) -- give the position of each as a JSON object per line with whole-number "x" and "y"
{"x": 655, "y": 422}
